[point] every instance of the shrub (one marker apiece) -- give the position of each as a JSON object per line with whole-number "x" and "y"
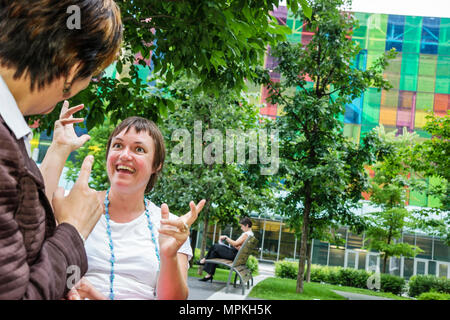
{"x": 391, "y": 283}
{"x": 432, "y": 295}
{"x": 346, "y": 277}
{"x": 318, "y": 274}
{"x": 360, "y": 278}
{"x": 421, "y": 284}
{"x": 252, "y": 265}
{"x": 197, "y": 253}
{"x": 332, "y": 275}
{"x": 286, "y": 269}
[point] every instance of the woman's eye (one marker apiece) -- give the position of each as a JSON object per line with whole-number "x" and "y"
{"x": 140, "y": 149}
{"x": 116, "y": 145}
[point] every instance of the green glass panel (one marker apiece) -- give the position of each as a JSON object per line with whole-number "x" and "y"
{"x": 417, "y": 199}
{"x": 412, "y": 34}
{"x": 143, "y": 72}
{"x": 377, "y": 24}
{"x": 371, "y": 108}
{"x": 424, "y": 101}
{"x": 409, "y": 71}
{"x": 296, "y": 26}
{"x": 360, "y": 34}
{"x": 366, "y": 128}
{"x": 389, "y": 98}
{"x": 427, "y": 65}
{"x": 111, "y": 71}
{"x": 434, "y": 202}
{"x": 393, "y": 71}
{"x": 423, "y": 134}
{"x": 425, "y": 83}
{"x": 443, "y": 75}
{"x": 444, "y": 37}
{"x": 373, "y": 55}
{"x": 352, "y": 131}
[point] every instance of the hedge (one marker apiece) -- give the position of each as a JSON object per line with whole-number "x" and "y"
{"x": 425, "y": 283}
{"x": 432, "y": 295}
{"x": 341, "y": 276}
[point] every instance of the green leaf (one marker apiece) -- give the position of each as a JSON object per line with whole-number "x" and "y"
{"x": 307, "y": 11}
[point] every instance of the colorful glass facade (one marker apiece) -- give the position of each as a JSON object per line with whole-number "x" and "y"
{"x": 277, "y": 242}
{"x": 420, "y": 74}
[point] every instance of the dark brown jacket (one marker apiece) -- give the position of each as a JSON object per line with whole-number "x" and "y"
{"x": 34, "y": 253}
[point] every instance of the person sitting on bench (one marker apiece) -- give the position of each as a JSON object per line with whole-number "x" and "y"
{"x": 220, "y": 250}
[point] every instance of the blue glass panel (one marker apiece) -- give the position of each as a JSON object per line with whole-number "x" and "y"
{"x": 353, "y": 111}
{"x": 430, "y": 35}
{"x": 360, "y": 61}
{"x": 395, "y": 31}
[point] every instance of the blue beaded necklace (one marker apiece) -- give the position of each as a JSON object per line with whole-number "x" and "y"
{"x": 111, "y": 246}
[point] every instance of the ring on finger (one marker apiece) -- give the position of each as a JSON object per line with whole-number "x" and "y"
{"x": 185, "y": 227}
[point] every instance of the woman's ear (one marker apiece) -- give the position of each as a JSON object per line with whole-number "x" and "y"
{"x": 73, "y": 72}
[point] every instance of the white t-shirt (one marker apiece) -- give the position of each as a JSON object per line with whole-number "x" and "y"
{"x": 136, "y": 264}
{"x": 249, "y": 233}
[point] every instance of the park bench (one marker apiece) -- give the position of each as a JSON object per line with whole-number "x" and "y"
{"x": 239, "y": 264}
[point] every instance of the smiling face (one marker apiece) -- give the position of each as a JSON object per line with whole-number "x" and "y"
{"x": 130, "y": 160}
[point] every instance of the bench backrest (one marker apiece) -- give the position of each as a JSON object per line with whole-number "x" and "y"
{"x": 244, "y": 252}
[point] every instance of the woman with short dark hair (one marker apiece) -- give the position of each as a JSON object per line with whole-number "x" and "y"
{"x": 43, "y": 61}
{"x": 220, "y": 250}
{"x": 137, "y": 250}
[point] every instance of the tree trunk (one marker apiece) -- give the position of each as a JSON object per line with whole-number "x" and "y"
{"x": 194, "y": 236}
{"x": 305, "y": 228}
{"x": 385, "y": 255}
{"x": 203, "y": 245}
{"x": 308, "y": 259}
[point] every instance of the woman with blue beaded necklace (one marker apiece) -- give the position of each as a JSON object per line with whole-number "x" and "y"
{"x": 136, "y": 250}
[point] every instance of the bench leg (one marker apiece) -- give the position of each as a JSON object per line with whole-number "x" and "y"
{"x": 228, "y": 282}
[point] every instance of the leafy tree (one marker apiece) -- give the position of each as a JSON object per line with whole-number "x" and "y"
{"x": 96, "y": 146}
{"x": 219, "y": 42}
{"x": 198, "y": 165}
{"x": 388, "y": 190}
{"x": 431, "y": 159}
{"x": 323, "y": 170}
{"x": 232, "y": 187}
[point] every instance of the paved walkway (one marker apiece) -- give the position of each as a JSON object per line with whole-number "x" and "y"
{"x": 358, "y": 296}
{"x": 216, "y": 290}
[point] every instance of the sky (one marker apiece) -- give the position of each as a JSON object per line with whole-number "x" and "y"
{"x": 424, "y": 8}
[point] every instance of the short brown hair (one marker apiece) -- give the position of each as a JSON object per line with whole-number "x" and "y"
{"x": 246, "y": 222}
{"x": 36, "y": 40}
{"x": 142, "y": 124}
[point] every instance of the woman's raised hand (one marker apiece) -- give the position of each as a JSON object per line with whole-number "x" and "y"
{"x": 175, "y": 232}
{"x": 64, "y": 136}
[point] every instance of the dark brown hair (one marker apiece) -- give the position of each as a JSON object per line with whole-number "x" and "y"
{"x": 35, "y": 38}
{"x": 246, "y": 222}
{"x": 141, "y": 124}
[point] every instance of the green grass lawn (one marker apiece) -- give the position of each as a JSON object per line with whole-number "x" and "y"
{"x": 285, "y": 289}
{"x": 220, "y": 275}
